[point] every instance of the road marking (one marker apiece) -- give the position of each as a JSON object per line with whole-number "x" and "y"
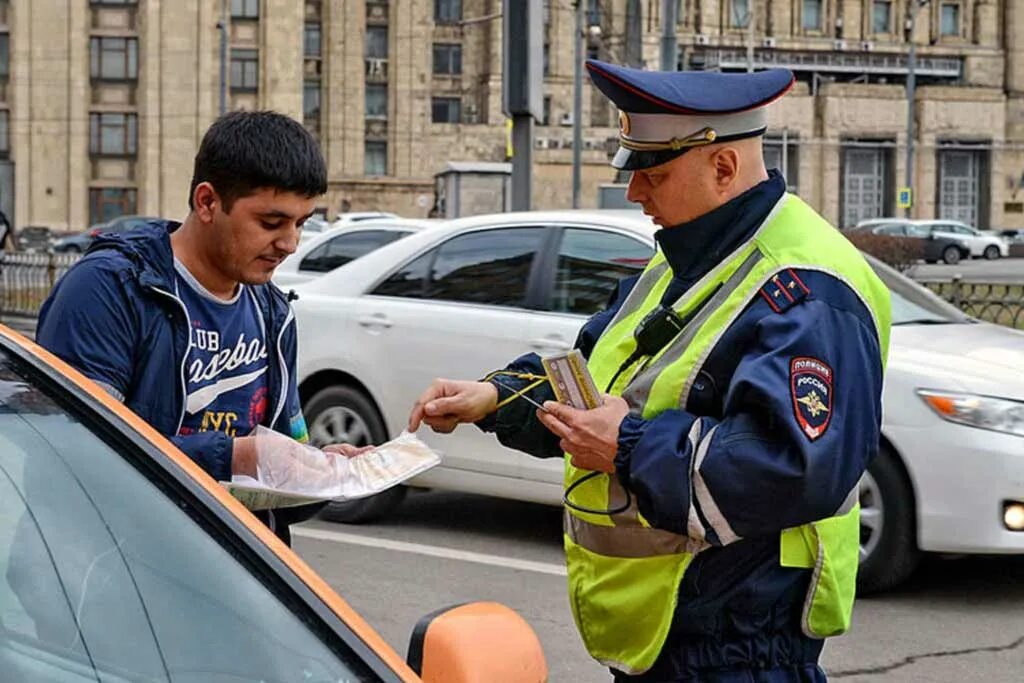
{"x": 430, "y": 550}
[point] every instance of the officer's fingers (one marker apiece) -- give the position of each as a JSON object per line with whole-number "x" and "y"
{"x": 442, "y": 424}
{"x": 436, "y": 388}
{"x": 449, "y": 405}
{"x": 556, "y": 426}
{"x": 566, "y": 414}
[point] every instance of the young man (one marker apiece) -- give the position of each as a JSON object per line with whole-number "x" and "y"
{"x": 711, "y": 502}
{"x": 180, "y": 321}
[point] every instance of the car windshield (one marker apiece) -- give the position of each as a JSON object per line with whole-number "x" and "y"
{"x": 912, "y": 303}
{"x": 108, "y": 572}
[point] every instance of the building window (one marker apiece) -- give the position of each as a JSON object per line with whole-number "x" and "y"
{"x": 811, "y": 18}
{"x": 593, "y": 13}
{"x": 950, "y": 19}
{"x": 547, "y": 111}
{"x": 376, "y": 101}
{"x": 866, "y": 182}
{"x": 113, "y": 2}
{"x": 245, "y": 70}
{"x": 114, "y": 59}
{"x": 113, "y": 134}
{"x": 785, "y": 158}
{"x": 739, "y": 16}
{"x": 245, "y": 9}
{"x": 447, "y": 11}
{"x": 5, "y": 56}
{"x": 962, "y": 191}
{"x": 446, "y": 110}
{"x": 547, "y": 59}
{"x": 5, "y": 133}
{"x": 376, "y": 158}
{"x": 881, "y": 17}
{"x": 106, "y": 204}
{"x": 311, "y": 102}
{"x": 311, "y": 41}
{"x": 377, "y": 42}
{"x": 447, "y": 59}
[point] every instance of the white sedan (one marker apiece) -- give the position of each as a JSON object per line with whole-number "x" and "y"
{"x": 470, "y": 295}
{"x": 328, "y": 249}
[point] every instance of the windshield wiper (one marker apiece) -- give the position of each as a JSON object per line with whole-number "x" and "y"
{"x": 926, "y": 321}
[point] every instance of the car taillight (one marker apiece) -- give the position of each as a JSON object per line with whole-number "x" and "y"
{"x": 94, "y": 233}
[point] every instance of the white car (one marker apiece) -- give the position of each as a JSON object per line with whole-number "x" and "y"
{"x": 324, "y": 251}
{"x": 980, "y": 244}
{"x": 475, "y": 293}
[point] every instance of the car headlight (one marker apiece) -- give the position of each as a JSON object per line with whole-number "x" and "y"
{"x": 984, "y": 412}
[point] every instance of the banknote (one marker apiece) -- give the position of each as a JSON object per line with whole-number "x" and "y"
{"x": 571, "y": 381}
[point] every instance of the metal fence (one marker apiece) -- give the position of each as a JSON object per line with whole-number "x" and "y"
{"x": 1000, "y": 303}
{"x": 26, "y": 279}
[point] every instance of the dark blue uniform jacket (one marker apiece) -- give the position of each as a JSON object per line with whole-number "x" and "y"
{"x": 765, "y": 469}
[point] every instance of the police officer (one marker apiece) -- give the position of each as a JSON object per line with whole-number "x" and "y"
{"x": 711, "y": 510}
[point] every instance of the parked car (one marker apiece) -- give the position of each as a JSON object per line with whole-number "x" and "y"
{"x": 930, "y": 246}
{"x": 78, "y": 243}
{"x": 334, "y": 247}
{"x": 357, "y": 216}
{"x": 120, "y": 560}
{"x": 978, "y": 243}
{"x": 1013, "y": 236}
{"x": 34, "y": 238}
{"x": 474, "y": 293}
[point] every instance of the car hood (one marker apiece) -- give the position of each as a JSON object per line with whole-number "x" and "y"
{"x": 979, "y": 358}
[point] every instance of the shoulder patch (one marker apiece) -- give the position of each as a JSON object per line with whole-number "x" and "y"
{"x": 810, "y": 384}
{"x": 784, "y": 290}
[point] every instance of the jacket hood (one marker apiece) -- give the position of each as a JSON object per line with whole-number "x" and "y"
{"x": 148, "y": 248}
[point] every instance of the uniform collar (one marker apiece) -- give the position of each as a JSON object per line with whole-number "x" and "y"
{"x": 694, "y": 248}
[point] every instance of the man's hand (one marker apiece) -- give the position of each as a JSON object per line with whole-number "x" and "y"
{"x": 591, "y": 437}
{"x": 449, "y": 402}
{"x": 244, "y": 456}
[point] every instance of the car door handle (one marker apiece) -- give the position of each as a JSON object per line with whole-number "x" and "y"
{"x": 375, "y": 320}
{"x": 552, "y": 342}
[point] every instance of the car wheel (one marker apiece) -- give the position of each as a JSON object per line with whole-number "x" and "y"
{"x": 991, "y": 252}
{"x": 888, "y": 536}
{"x": 951, "y": 256}
{"x": 342, "y": 414}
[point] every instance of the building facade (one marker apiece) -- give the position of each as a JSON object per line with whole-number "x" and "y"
{"x": 103, "y": 102}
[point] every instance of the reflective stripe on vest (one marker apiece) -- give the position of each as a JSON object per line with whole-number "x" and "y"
{"x": 624, "y": 575}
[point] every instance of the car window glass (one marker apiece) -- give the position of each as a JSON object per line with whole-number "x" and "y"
{"x": 485, "y": 267}
{"x": 347, "y": 247}
{"x": 918, "y": 230}
{"x": 408, "y": 281}
{"x": 104, "y": 577}
{"x": 590, "y": 265}
{"x": 911, "y": 301}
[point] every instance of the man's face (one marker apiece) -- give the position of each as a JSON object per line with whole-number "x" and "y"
{"x": 677, "y": 191}
{"x": 250, "y": 241}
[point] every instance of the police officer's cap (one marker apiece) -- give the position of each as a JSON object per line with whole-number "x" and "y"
{"x": 663, "y": 114}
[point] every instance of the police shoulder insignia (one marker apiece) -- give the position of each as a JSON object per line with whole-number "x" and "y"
{"x": 784, "y": 290}
{"x": 810, "y": 383}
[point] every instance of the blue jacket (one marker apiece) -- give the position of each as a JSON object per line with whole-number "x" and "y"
{"x": 738, "y": 608}
{"x": 115, "y": 318}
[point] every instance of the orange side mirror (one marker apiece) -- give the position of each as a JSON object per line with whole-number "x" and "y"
{"x": 480, "y": 642}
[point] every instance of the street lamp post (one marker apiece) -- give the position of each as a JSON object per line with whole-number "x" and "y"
{"x": 577, "y": 106}
{"x": 912, "y": 10}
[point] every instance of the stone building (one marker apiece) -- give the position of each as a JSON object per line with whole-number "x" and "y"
{"x": 103, "y": 102}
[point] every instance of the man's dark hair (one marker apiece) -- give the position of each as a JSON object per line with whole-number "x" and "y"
{"x": 244, "y": 151}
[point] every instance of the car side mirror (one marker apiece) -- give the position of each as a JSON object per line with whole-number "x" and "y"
{"x": 479, "y": 642}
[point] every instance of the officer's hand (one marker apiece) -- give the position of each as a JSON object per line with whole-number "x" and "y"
{"x": 449, "y": 402}
{"x": 591, "y": 437}
{"x": 346, "y": 449}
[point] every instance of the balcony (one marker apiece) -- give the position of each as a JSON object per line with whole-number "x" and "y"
{"x": 881, "y": 64}
{"x": 376, "y": 70}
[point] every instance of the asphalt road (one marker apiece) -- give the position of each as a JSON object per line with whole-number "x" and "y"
{"x": 957, "y": 620}
{"x": 1001, "y": 270}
